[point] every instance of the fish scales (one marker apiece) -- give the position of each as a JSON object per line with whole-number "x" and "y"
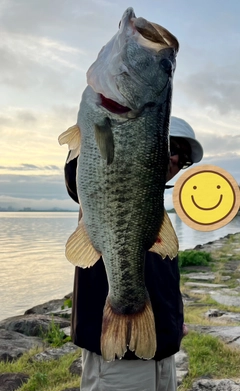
{"x": 128, "y": 201}
{"x": 123, "y": 122}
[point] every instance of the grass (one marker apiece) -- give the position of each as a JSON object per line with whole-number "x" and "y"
{"x": 209, "y": 357}
{"x": 54, "y": 336}
{"x": 50, "y": 375}
{"x": 194, "y": 258}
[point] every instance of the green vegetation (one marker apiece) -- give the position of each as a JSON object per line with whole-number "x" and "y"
{"x": 67, "y": 304}
{"x": 55, "y": 336}
{"x": 194, "y": 258}
{"x": 50, "y": 375}
{"x": 209, "y": 357}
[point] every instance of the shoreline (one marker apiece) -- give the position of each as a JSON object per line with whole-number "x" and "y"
{"x": 203, "y": 247}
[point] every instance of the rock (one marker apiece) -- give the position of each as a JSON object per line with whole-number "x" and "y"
{"x": 67, "y": 331}
{"x": 225, "y": 278}
{"x": 56, "y": 353}
{"x": 32, "y": 325}
{"x": 13, "y": 345}
{"x": 229, "y": 334}
{"x": 65, "y": 313}
{"x": 223, "y": 316}
{"x": 201, "y": 276}
{"x": 223, "y": 298}
{"x": 200, "y": 291}
{"x": 215, "y": 385}
{"x": 76, "y": 367}
{"x": 71, "y": 389}
{"x": 181, "y": 360}
{"x": 230, "y": 317}
{"x": 214, "y": 313}
{"x": 48, "y": 307}
{"x": 203, "y": 284}
{"x": 51, "y": 306}
{"x": 12, "y": 381}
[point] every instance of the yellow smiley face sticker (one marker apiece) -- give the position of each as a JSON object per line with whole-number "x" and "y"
{"x": 206, "y": 197}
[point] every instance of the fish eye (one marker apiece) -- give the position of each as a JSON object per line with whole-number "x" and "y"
{"x": 218, "y": 187}
{"x": 167, "y": 66}
{"x": 194, "y": 187}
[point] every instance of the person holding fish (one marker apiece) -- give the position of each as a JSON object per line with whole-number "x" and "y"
{"x": 127, "y": 313}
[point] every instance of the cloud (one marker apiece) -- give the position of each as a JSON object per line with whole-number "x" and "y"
{"x": 7, "y": 202}
{"x": 40, "y": 64}
{"x": 216, "y": 87}
{"x": 39, "y": 18}
{"x": 30, "y": 167}
{"x": 33, "y": 186}
{"x": 215, "y": 144}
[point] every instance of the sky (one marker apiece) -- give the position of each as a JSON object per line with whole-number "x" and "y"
{"x": 46, "y": 48}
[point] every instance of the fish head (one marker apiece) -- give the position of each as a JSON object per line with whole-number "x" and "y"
{"x": 136, "y": 66}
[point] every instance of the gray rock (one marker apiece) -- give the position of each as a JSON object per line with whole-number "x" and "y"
{"x": 223, "y": 298}
{"x": 56, "y": 353}
{"x": 203, "y": 284}
{"x": 50, "y": 306}
{"x": 225, "y": 278}
{"x": 71, "y": 389}
{"x": 230, "y": 317}
{"x": 223, "y": 316}
{"x": 65, "y": 313}
{"x": 229, "y": 334}
{"x": 67, "y": 331}
{"x": 201, "y": 276}
{"x": 200, "y": 291}
{"x": 214, "y": 313}
{"x": 181, "y": 360}
{"x": 32, "y": 325}
{"x": 215, "y": 385}
{"x": 76, "y": 367}
{"x": 12, "y": 381}
{"x": 13, "y": 345}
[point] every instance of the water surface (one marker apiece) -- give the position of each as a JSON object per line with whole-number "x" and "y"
{"x": 33, "y": 267}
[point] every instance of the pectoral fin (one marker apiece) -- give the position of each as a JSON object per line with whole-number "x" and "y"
{"x": 72, "y": 137}
{"x": 79, "y": 249}
{"x": 167, "y": 241}
{"x": 105, "y": 142}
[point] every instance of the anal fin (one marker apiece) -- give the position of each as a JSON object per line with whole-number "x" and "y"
{"x": 79, "y": 249}
{"x": 135, "y": 331}
{"x": 167, "y": 241}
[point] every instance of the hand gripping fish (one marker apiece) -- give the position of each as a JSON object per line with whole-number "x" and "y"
{"x": 122, "y": 137}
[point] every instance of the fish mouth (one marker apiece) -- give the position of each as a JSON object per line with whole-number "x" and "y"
{"x": 113, "y": 106}
{"x": 151, "y": 32}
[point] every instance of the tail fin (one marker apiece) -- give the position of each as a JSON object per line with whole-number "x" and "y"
{"x": 135, "y": 331}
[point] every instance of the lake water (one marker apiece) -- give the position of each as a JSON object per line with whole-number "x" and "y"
{"x": 33, "y": 267}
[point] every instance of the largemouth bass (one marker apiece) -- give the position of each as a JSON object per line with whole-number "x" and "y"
{"x": 122, "y": 137}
